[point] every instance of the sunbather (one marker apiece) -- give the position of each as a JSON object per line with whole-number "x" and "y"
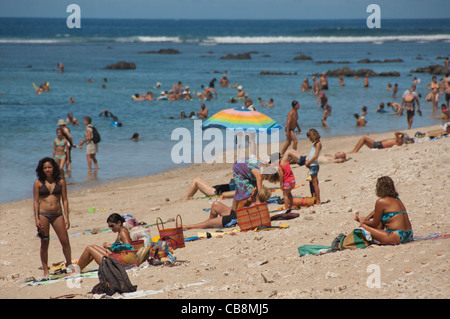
{"x": 388, "y": 223}
{"x": 223, "y": 216}
{"x": 199, "y": 184}
{"x": 94, "y": 252}
{"x": 398, "y": 140}
{"x": 294, "y": 156}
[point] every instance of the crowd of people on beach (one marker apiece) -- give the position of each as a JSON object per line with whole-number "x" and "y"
{"x": 388, "y": 223}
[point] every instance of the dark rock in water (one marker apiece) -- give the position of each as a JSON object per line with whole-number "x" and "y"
{"x": 392, "y": 73}
{"x": 241, "y": 56}
{"x": 435, "y": 69}
{"x": 122, "y": 65}
{"x": 331, "y": 62}
{"x": 276, "y": 73}
{"x": 162, "y": 51}
{"x": 302, "y": 57}
{"x": 346, "y": 71}
{"x": 379, "y": 61}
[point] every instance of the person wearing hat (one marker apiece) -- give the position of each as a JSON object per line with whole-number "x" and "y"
{"x": 68, "y": 137}
{"x": 291, "y": 125}
{"x": 240, "y": 94}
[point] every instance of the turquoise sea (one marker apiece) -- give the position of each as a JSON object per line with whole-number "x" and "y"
{"x": 31, "y": 48}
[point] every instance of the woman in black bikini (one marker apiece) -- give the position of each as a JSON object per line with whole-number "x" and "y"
{"x": 49, "y": 190}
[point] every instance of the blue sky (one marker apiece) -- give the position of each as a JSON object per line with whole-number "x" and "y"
{"x": 227, "y": 9}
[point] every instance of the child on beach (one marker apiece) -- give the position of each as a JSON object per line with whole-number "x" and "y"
{"x": 313, "y": 164}
{"x": 287, "y": 183}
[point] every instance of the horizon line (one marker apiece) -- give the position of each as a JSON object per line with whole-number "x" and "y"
{"x": 223, "y": 19}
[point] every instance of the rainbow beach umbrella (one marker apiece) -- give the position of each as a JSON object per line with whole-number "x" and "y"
{"x": 241, "y": 119}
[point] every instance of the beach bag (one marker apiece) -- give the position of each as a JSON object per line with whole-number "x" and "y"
{"x": 160, "y": 251}
{"x": 95, "y": 134}
{"x": 355, "y": 240}
{"x": 174, "y": 236}
{"x": 253, "y": 216}
{"x": 113, "y": 278}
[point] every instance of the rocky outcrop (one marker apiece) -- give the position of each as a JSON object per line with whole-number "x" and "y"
{"x": 379, "y": 61}
{"x": 276, "y": 73}
{"x": 302, "y": 57}
{"x": 435, "y": 69}
{"x": 162, "y": 51}
{"x": 346, "y": 71}
{"x": 122, "y": 65}
{"x": 240, "y": 56}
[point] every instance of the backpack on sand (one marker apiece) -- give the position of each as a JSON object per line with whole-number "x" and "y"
{"x": 113, "y": 278}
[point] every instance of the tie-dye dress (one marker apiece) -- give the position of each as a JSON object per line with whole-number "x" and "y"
{"x": 243, "y": 177}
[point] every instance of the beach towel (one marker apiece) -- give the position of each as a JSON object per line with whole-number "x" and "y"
{"x": 284, "y": 216}
{"x": 313, "y": 250}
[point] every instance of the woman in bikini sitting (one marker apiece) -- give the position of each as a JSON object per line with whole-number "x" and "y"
{"x": 60, "y": 149}
{"x": 49, "y": 190}
{"x": 123, "y": 241}
{"x": 388, "y": 223}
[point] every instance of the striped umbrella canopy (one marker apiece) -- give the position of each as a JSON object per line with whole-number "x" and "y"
{"x": 241, "y": 119}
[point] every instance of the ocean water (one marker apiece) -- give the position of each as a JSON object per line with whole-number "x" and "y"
{"x": 31, "y": 48}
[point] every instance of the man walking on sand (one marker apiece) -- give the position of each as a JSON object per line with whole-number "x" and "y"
{"x": 291, "y": 125}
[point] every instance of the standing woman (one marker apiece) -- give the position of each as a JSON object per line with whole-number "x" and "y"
{"x": 60, "y": 149}
{"x": 91, "y": 147}
{"x": 49, "y": 190}
{"x": 433, "y": 87}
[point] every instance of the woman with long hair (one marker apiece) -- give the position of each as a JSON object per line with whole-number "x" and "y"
{"x": 388, "y": 223}
{"x": 51, "y": 207}
{"x": 93, "y": 252}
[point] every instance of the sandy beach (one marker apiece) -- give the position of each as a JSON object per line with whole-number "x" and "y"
{"x": 261, "y": 265}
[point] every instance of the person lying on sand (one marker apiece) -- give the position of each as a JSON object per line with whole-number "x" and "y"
{"x": 294, "y": 156}
{"x": 398, "y": 140}
{"x": 388, "y": 223}
{"x": 223, "y": 216}
{"x": 199, "y": 184}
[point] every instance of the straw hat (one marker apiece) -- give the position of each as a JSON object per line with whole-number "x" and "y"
{"x": 61, "y": 122}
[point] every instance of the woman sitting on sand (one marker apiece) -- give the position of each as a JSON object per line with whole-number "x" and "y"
{"x": 94, "y": 252}
{"x": 223, "y": 216}
{"x": 248, "y": 174}
{"x": 388, "y": 223}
